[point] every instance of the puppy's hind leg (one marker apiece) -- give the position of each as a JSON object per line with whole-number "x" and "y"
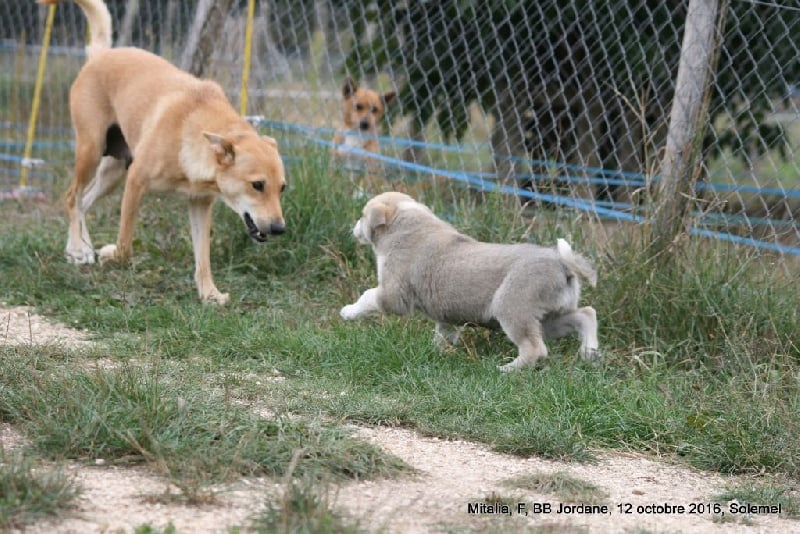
{"x": 528, "y": 339}
{"x": 446, "y": 334}
{"x": 584, "y": 322}
{"x": 367, "y": 304}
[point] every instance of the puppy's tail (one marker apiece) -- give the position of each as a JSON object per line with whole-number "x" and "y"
{"x": 99, "y": 20}
{"x": 576, "y": 263}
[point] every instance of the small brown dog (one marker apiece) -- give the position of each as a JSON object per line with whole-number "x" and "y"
{"x": 140, "y": 120}
{"x": 363, "y": 110}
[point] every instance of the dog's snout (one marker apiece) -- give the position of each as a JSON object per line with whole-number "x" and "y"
{"x": 364, "y": 124}
{"x": 260, "y": 231}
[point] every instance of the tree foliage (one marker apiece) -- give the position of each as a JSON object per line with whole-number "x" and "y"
{"x": 561, "y": 59}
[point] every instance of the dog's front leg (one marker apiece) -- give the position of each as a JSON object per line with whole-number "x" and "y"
{"x": 200, "y": 222}
{"x": 367, "y": 304}
{"x": 131, "y": 200}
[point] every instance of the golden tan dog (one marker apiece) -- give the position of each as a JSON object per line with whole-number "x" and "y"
{"x": 137, "y": 116}
{"x": 362, "y": 111}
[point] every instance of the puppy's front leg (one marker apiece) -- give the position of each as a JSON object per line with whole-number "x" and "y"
{"x": 367, "y": 304}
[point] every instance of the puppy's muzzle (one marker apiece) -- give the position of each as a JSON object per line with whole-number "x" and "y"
{"x": 364, "y": 125}
{"x": 262, "y": 234}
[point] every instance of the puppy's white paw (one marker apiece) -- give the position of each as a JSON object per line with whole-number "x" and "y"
{"x": 446, "y": 336}
{"x": 349, "y": 312}
{"x": 590, "y": 353}
{"x": 107, "y": 253}
{"x": 518, "y": 363}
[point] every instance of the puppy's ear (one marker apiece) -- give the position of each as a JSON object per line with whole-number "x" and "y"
{"x": 375, "y": 216}
{"x": 388, "y": 98}
{"x": 349, "y": 87}
{"x": 222, "y": 147}
{"x": 379, "y": 215}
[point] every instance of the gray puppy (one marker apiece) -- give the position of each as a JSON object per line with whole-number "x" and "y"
{"x": 425, "y": 264}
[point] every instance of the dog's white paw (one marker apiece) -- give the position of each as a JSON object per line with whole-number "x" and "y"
{"x": 220, "y": 299}
{"x": 349, "y": 312}
{"x": 81, "y": 256}
{"x": 107, "y": 253}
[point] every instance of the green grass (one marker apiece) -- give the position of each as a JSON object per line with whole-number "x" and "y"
{"x": 149, "y": 529}
{"x": 783, "y": 493}
{"x": 303, "y": 507}
{"x": 29, "y": 493}
{"x": 701, "y": 359}
{"x": 171, "y": 418}
{"x": 562, "y": 485}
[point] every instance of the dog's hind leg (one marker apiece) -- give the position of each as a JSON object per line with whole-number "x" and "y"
{"x": 110, "y": 173}
{"x": 528, "y": 339}
{"x": 584, "y": 322}
{"x": 79, "y": 244}
{"x": 131, "y": 200}
{"x": 200, "y": 223}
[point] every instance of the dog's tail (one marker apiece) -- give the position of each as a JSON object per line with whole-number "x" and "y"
{"x": 99, "y": 20}
{"x": 576, "y": 262}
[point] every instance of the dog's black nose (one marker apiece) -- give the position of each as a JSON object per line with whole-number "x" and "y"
{"x": 277, "y": 228}
{"x": 364, "y": 125}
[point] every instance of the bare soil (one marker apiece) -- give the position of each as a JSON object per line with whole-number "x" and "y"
{"x": 450, "y": 475}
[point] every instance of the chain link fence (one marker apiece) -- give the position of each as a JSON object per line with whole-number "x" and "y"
{"x": 564, "y": 102}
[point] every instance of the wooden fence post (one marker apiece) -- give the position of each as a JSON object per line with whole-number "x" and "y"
{"x": 705, "y": 20}
{"x": 203, "y": 35}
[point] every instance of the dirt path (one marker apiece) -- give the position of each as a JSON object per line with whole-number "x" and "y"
{"x": 450, "y": 476}
{"x": 20, "y": 325}
{"x": 455, "y": 473}
{"x": 120, "y": 499}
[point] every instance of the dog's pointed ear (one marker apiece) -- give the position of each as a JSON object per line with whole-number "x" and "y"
{"x": 222, "y": 147}
{"x": 388, "y": 98}
{"x": 270, "y": 141}
{"x": 349, "y": 87}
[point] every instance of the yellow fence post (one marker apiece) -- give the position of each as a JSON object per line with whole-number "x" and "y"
{"x": 37, "y": 95}
{"x": 248, "y": 53}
